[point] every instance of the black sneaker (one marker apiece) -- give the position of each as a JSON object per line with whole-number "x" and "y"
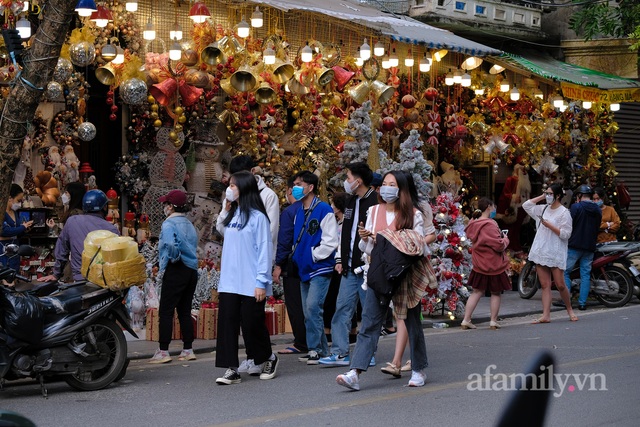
{"x": 229, "y": 377}
{"x": 304, "y": 358}
{"x": 314, "y": 358}
{"x": 269, "y": 369}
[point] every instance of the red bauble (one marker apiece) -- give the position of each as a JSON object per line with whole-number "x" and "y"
{"x": 113, "y": 117}
{"x": 449, "y": 252}
{"x": 114, "y": 108}
{"x": 244, "y": 110}
{"x": 440, "y": 237}
{"x": 431, "y": 93}
{"x": 443, "y": 209}
{"x": 109, "y": 101}
{"x": 388, "y": 124}
{"x": 408, "y": 101}
{"x": 447, "y": 274}
{"x": 111, "y": 194}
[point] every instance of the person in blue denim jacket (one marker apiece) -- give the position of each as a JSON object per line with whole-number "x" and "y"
{"x": 178, "y": 262}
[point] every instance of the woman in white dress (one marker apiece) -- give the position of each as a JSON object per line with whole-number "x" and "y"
{"x": 549, "y": 248}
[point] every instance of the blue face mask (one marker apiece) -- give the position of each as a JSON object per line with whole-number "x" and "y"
{"x": 297, "y": 192}
{"x": 492, "y": 214}
{"x": 600, "y": 203}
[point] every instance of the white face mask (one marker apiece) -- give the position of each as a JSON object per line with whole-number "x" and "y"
{"x": 549, "y": 198}
{"x": 231, "y": 195}
{"x": 167, "y": 210}
{"x": 348, "y": 187}
{"x": 16, "y": 206}
{"x": 389, "y": 194}
{"x": 65, "y": 199}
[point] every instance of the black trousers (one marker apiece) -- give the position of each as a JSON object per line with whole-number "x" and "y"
{"x": 178, "y": 286}
{"x": 231, "y": 309}
{"x": 293, "y": 302}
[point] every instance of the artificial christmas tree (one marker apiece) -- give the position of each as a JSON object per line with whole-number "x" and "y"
{"x": 411, "y": 159}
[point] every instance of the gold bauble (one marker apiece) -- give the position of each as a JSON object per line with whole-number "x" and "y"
{"x": 154, "y": 107}
{"x": 296, "y": 127}
{"x": 151, "y": 99}
{"x": 173, "y": 135}
{"x": 154, "y": 115}
{"x": 157, "y": 123}
{"x": 232, "y": 133}
{"x": 326, "y": 102}
{"x": 182, "y": 119}
{"x": 316, "y": 139}
{"x": 177, "y": 143}
{"x": 179, "y": 111}
{"x": 228, "y": 128}
{"x": 295, "y": 114}
{"x": 178, "y": 128}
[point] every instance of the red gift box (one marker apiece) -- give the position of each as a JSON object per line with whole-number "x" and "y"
{"x": 271, "y": 320}
{"x": 278, "y": 307}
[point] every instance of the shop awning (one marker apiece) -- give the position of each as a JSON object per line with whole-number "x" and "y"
{"x": 399, "y": 28}
{"x": 576, "y": 82}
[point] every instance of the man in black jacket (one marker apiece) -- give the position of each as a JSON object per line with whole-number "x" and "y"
{"x": 582, "y": 243}
{"x": 349, "y": 260}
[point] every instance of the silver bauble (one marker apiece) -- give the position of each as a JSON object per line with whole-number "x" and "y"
{"x": 133, "y": 91}
{"x": 63, "y": 70}
{"x": 82, "y": 54}
{"x": 54, "y": 91}
{"x": 86, "y": 131}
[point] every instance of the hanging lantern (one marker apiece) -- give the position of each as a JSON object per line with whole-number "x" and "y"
{"x": 514, "y": 94}
{"x": 408, "y": 61}
{"x": 175, "y": 51}
{"x": 243, "y": 29}
{"x": 471, "y": 63}
{"x": 199, "y": 12}
{"x": 108, "y": 52}
{"x": 365, "y": 51}
{"x": 101, "y": 17}
{"x": 393, "y": 58}
{"x": 257, "y": 18}
{"x": 85, "y": 8}
{"x": 131, "y": 5}
{"x": 448, "y": 79}
{"x": 119, "y": 59}
{"x": 24, "y": 28}
{"x": 378, "y": 49}
{"x": 306, "y": 54}
{"x": 269, "y": 55}
{"x": 176, "y": 32}
{"x": 466, "y": 80}
{"x": 425, "y": 64}
{"x": 149, "y": 32}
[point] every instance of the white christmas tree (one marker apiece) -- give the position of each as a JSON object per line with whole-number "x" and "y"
{"x": 410, "y": 159}
{"x": 356, "y": 146}
{"x": 450, "y": 258}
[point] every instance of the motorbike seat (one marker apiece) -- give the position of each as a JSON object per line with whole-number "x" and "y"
{"x": 72, "y": 299}
{"x": 611, "y": 247}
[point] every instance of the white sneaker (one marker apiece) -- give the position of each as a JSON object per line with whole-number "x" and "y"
{"x": 245, "y": 366}
{"x": 349, "y": 380}
{"x": 187, "y": 355}
{"x": 255, "y": 370}
{"x": 161, "y": 356}
{"x": 417, "y": 379}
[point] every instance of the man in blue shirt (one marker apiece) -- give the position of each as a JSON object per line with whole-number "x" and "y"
{"x": 582, "y": 243}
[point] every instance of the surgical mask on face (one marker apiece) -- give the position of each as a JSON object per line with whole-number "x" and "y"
{"x": 599, "y": 203}
{"x": 549, "y": 198}
{"x": 389, "y": 194}
{"x": 492, "y": 214}
{"x": 231, "y": 195}
{"x": 166, "y": 210}
{"x": 298, "y": 192}
{"x": 16, "y": 206}
{"x": 65, "y": 199}
{"x": 348, "y": 187}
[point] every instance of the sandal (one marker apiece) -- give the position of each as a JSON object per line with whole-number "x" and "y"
{"x": 290, "y": 350}
{"x": 573, "y": 318}
{"x": 539, "y": 321}
{"x": 406, "y": 367}
{"x": 391, "y": 369}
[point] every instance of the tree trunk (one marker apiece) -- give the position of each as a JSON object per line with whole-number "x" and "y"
{"x": 21, "y": 104}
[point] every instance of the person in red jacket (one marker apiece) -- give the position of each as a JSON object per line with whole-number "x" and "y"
{"x": 489, "y": 262}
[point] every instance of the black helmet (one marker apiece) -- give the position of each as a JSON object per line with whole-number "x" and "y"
{"x": 584, "y": 189}
{"x": 94, "y": 201}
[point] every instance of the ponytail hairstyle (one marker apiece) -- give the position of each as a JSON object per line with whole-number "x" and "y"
{"x": 483, "y": 204}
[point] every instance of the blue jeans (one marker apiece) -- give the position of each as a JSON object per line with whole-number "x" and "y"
{"x": 313, "y": 294}
{"x": 373, "y": 316}
{"x": 346, "y": 304}
{"x": 585, "y": 258}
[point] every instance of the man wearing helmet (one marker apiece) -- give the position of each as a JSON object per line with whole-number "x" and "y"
{"x": 70, "y": 243}
{"x": 586, "y": 224}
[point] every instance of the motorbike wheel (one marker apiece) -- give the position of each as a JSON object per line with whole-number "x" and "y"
{"x": 528, "y": 281}
{"x": 104, "y": 339}
{"x": 624, "y": 282}
{"x": 123, "y": 372}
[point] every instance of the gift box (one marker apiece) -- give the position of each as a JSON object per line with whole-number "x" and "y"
{"x": 278, "y": 307}
{"x": 207, "y": 324}
{"x": 152, "y": 327}
{"x": 271, "y": 320}
{"x": 214, "y": 295}
{"x": 287, "y": 323}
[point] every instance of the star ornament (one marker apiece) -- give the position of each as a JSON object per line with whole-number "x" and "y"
{"x": 495, "y": 143}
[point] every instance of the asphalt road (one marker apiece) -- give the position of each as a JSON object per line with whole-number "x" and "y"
{"x": 601, "y": 352}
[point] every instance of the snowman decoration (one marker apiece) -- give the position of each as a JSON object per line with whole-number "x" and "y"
{"x": 166, "y": 172}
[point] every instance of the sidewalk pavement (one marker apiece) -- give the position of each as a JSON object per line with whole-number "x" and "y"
{"x": 511, "y": 306}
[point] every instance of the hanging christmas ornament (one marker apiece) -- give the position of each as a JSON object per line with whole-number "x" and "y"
{"x": 86, "y": 131}
{"x": 133, "y": 91}
{"x": 63, "y": 70}
{"x": 54, "y": 91}
{"x": 431, "y": 94}
{"x": 82, "y": 54}
{"x": 495, "y": 143}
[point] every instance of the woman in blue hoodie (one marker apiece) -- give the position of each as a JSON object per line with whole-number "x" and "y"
{"x": 245, "y": 279}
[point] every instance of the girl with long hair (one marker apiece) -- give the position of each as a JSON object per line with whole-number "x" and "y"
{"x": 488, "y": 274}
{"x": 245, "y": 280}
{"x": 392, "y": 227}
{"x": 550, "y": 246}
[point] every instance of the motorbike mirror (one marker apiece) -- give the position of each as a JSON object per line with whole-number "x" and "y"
{"x": 25, "y": 250}
{"x": 11, "y": 249}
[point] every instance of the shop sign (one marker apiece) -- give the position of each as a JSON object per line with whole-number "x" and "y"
{"x": 592, "y": 94}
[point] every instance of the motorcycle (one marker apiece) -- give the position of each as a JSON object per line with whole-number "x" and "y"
{"x": 67, "y": 331}
{"x": 612, "y": 275}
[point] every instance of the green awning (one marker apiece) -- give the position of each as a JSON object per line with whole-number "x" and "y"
{"x": 576, "y": 82}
